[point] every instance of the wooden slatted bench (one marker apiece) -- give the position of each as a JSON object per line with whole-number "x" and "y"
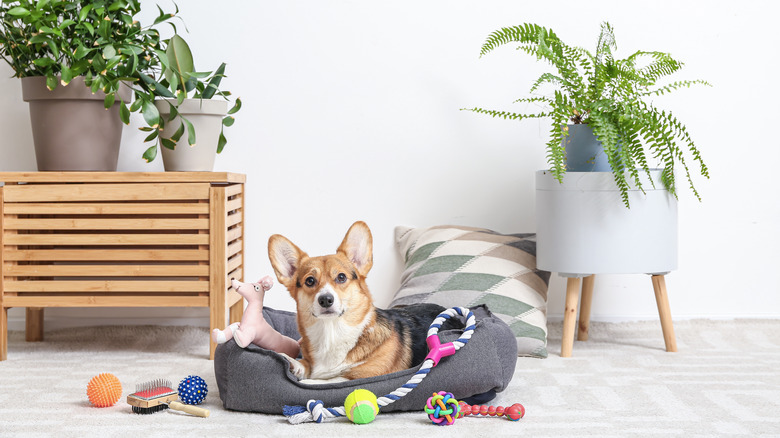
{"x": 120, "y": 239}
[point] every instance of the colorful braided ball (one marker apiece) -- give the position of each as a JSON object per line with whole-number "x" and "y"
{"x": 193, "y": 390}
{"x": 104, "y": 390}
{"x": 442, "y": 408}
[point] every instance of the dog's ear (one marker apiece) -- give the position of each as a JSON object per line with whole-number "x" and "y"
{"x": 285, "y": 259}
{"x": 357, "y": 246}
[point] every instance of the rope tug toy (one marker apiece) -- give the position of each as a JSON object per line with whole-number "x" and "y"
{"x": 317, "y": 412}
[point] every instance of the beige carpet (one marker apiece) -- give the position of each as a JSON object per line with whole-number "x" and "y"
{"x": 724, "y": 381}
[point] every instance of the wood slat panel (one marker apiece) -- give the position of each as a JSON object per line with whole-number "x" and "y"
{"x": 106, "y": 224}
{"x": 106, "y": 270}
{"x": 3, "y": 312}
{"x": 235, "y": 218}
{"x": 106, "y": 255}
{"x": 134, "y": 208}
{"x": 106, "y": 301}
{"x": 234, "y": 248}
{"x": 235, "y": 262}
{"x": 104, "y": 192}
{"x": 233, "y": 297}
{"x": 234, "y": 234}
{"x": 106, "y": 239}
{"x": 234, "y": 204}
{"x": 238, "y": 274}
{"x": 64, "y": 286}
{"x": 234, "y": 189}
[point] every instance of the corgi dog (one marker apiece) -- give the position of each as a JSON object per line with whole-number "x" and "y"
{"x": 343, "y": 336}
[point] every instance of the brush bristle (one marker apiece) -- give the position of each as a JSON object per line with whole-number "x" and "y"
{"x": 150, "y": 410}
{"x": 153, "y": 388}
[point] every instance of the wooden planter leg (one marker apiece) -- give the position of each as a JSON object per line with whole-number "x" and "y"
{"x": 585, "y": 302}
{"x": 662, "y": 299}
{"x": 570, "y": 315}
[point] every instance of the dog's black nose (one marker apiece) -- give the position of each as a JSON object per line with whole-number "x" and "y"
{"x": 325, "y": 300}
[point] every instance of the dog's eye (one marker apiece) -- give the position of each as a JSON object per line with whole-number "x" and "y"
{"x": 310, "y": 281}
{"x": 341, "y": 278}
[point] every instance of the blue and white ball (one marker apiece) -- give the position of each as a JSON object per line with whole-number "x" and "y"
{"x": 193, "y": 390}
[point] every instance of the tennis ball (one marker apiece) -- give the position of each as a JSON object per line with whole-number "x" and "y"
{"x": 361, "y": 406}
{"x": 104, "y": 390}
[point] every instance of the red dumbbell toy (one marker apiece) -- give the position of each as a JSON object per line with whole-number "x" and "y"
{"x": 513, "y": 413}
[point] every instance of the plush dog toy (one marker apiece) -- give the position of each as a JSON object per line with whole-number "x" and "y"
{"x": 253, "y": 328}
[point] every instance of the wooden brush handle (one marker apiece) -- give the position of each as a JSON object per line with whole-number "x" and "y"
{"x": 194, "y": 410}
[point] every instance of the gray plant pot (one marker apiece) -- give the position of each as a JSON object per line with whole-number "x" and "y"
{"x": 206, "y": 117}
{"x": 72, "y": 131}
{"x": 584, "y": 153}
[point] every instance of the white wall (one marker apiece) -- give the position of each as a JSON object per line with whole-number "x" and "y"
{"x": 351, "y": 112}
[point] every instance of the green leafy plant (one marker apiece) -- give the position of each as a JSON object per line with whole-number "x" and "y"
{"x": 178, "y": 81}
{"x": 98, "y": 39}
{"x": 611, "y": 95}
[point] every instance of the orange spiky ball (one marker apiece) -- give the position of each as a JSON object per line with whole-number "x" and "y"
{"x": 104, "y": 390}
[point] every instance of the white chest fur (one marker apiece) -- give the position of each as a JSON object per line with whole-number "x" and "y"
{"x": 331, "y": 339}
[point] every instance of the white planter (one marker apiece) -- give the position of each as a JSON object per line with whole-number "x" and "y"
{"x": 206, "y": 117}
{"x": 584, "y": 228}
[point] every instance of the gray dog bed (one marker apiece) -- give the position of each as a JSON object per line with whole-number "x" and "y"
{"x": 253, "y": 379}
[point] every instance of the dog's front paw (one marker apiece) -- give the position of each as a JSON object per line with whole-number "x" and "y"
{"x": 298, "y": 370}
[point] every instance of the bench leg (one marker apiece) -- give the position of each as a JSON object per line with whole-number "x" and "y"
{"x": 585, "y": 302}
{"x": 664, "y": 312}
{"x": 570, "y": 315}
{"x": 33, "y": 324}
{"x": 236, "y": 312}
{"x": 3, "y": 333}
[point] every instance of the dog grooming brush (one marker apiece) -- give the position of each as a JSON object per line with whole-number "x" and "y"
{"x": 156, "y": 395}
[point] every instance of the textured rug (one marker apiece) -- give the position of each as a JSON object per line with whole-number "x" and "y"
{"x": 724, "y": 381}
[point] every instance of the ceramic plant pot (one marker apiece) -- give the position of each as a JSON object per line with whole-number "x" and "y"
{"x": 72, "y": 130}
{"x": 583, "y": 227}
{"x": 206, "y": 117}
{"x": 584, "y": 152}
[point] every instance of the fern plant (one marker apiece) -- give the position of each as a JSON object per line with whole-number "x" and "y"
{"x": 612, "y": 96}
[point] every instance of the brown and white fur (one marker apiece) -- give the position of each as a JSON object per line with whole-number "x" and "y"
{"x": 343, "y": 334}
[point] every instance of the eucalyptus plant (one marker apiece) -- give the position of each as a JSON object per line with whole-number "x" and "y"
{"x": 178, "y": 81}
{"x": 97, "y": 39}
{"x": 613, "y": 96}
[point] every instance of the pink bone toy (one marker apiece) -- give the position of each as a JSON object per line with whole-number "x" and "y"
{"x": 253, "y": 328}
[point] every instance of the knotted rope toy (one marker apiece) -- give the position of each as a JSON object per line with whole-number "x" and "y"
{"x": 443, "y": 409}
{"x": 317, "y": 412}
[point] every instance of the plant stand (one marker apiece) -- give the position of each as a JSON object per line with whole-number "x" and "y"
{"x": 583, "y": 229}
{"x": 120, "y": 239}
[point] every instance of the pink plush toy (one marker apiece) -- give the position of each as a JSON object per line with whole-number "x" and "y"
{"x": 253, "y": 328}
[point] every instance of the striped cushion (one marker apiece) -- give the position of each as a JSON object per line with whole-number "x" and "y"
{"x": 462, "y": 266}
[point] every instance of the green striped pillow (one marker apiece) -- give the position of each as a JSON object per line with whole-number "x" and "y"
{"x": 463, "y": 266}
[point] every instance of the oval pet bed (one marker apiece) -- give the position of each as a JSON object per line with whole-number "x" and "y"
{"x": 253, "y": 379}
